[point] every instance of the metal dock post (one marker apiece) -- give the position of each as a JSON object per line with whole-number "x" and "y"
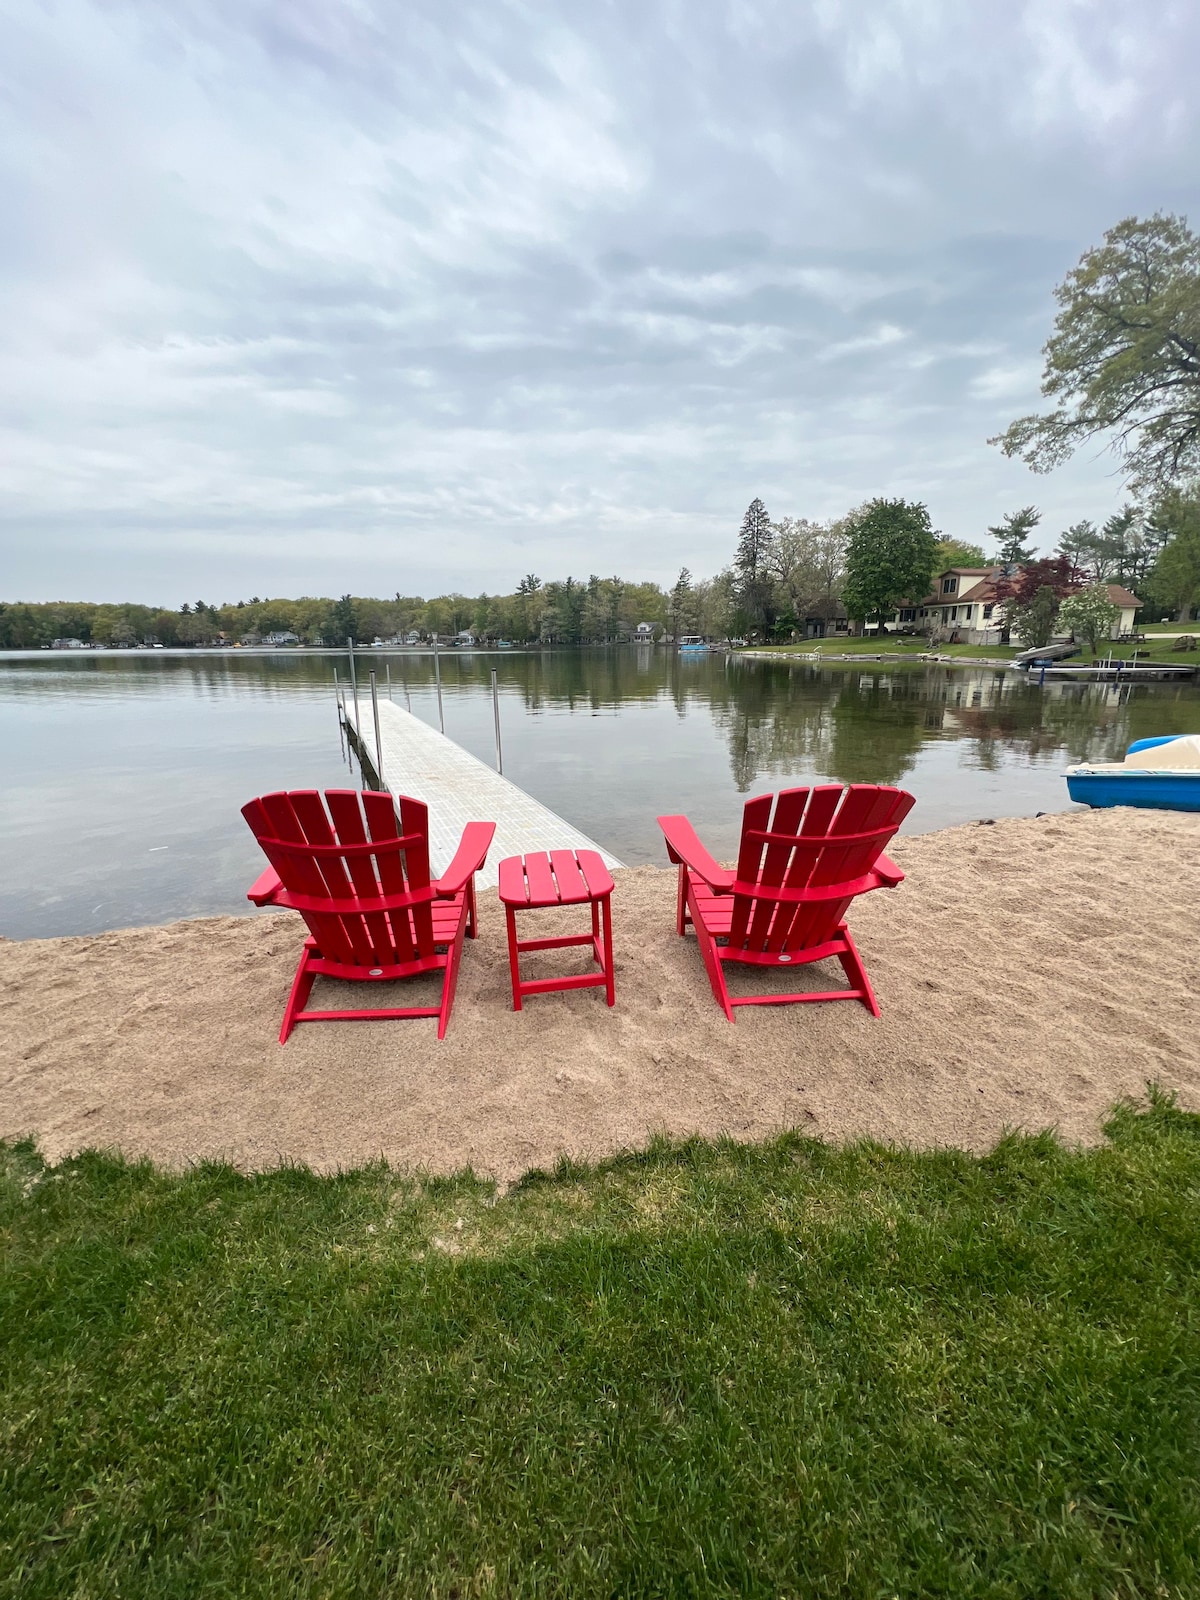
{"x": 496, "y": 715}
{"x": 437, "y": 673}
{"x": 378, "y": 740}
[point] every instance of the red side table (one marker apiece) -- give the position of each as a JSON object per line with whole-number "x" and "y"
{"x": 559, "y": 878}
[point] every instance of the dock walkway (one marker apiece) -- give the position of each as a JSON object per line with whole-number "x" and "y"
{"x": 421, "y": 762}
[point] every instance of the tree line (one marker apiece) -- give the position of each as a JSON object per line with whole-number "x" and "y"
{"x": 566, "y": 612}
{"x": 782, "y": 573}
{"x": 1123, "y": 361}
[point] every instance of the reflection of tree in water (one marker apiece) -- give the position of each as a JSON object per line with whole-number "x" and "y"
{"x": 855, "y": 726}
{"x": 1074, "y": 721}
{"x": 863, "y": 726}
{"x": 775, "y": 719}
{"x": 878, "y": 727}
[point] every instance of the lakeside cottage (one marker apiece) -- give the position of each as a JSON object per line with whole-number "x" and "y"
{"x": 963, "y": 599}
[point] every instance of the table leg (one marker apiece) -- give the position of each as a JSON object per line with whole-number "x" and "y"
{"x": 514, "y": 959}
{"x": 609, "y": 982}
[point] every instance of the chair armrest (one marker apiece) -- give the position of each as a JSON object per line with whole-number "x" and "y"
{"x": 887, "y": 872}
{"x": 264, "y": 889}
{"x": 685, "y": 848}
{"x": 468, "y": 858}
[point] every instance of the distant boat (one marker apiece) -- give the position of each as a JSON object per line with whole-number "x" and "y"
{"x": 692, "y": 643}
{"x": 1161, "y": 774}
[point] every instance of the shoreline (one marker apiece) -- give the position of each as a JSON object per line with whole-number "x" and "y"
{"x": 923, "y": 659}
{"x": 1031, "y": 972}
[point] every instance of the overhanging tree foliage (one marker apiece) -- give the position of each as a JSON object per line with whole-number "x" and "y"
{"x": 1124, "y": 357}
{"x": 890, "y": 557}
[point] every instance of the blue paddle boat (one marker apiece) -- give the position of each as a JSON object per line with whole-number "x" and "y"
{"x": 1163, "y": 774}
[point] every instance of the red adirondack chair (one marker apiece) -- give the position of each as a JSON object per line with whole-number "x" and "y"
{"x": 373, "y": 912}
{"x": 797, "y": 873}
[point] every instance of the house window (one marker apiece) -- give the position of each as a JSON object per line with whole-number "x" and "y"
{"x": 949, "y": 585}
{"x": 953, "y": 613}
{"x": 907, "y": 614}
{"x": 987, "y": 611}
{"x": 967, "y": 612}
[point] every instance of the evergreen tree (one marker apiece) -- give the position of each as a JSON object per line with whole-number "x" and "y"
{"x": 682, "y": 603}
{"x": 751, "y": 565}
{"x": 1012, "y": 533}
{"x": 343, "y": 624}
{"x": 1175, "y": 524}
{"x": 1078, "y": 544}
{"x": 527, "y": 591}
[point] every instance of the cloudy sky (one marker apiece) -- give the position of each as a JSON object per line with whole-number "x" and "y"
{"x": 414, "y": 295}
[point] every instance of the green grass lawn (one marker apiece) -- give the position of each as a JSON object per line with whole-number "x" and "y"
{"x": 706, "y": 1370}
{"x": 894, "y": 647}
{"x": 890, "y": 645}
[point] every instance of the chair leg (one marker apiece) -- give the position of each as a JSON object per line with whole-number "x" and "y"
{"x": 301, "y": 989}
{"x": 681, "y": 911}
{"x": 450, "y": 978}
{"x": 712, "y": 963}
{"x": 853, "y": 968}
{"x": 472, "y": 924}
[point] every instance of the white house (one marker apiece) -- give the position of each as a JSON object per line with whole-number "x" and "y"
{"x": 964, "y": 600}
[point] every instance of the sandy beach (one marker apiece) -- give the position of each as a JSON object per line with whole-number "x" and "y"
{"x": 1030, "y": 972}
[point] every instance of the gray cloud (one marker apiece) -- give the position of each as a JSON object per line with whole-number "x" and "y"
{"x": 329, "y": 295}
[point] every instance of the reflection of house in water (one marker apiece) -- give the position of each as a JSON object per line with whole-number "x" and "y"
{"x": 965, "y": 691}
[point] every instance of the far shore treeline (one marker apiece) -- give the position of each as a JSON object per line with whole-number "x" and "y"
{"x": 1142, "y": 392}
{"x": 782, "y": 573}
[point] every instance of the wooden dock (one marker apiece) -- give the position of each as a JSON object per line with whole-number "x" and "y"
{"x": 419, "y": 761}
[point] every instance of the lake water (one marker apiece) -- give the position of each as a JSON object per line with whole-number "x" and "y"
{"x": 122, "y": 774}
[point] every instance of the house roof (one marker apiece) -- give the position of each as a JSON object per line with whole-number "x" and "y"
{"x": 985, "y": 589}
{"x": 982, "y": 589}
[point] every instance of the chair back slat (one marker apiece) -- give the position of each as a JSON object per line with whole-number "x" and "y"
{"x": 865, "y": 808}
{"x": 755, "y": 817}
{"x": 394, "y": 869}
{"x": 346, "y": 846}
{"x": 333, "y": 868}
{"x": 817, "y": 838}
{"x": 345, "y": 808}
{"x": 414, "y": 819}
{"x": 823, "y": 800}
{"x": 776, "y": 859}
{"x": 288, "y": 815}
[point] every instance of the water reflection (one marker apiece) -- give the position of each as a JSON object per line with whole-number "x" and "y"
{"x": 123, "y": 773}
